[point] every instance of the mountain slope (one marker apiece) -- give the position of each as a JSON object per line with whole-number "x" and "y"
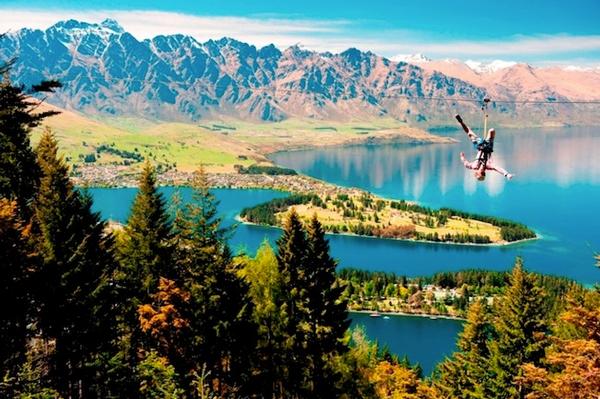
{"x": 107, "y": 71}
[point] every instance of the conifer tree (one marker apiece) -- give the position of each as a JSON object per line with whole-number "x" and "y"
{"x": 75, "y": 295}
{"x": 521, "y": 327}
{"x": 325, "y": 314}
{"x": 146, "y": 254}
{"x": 15, "y": 267}
{"x": 291, "y": 257}
{"x": 463, "y": 376}
{"x": 19, "y": 172}
{"x": 219, "y": 307}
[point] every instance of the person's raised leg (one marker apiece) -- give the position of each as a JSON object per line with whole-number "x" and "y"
{"x": 472, "y": 136}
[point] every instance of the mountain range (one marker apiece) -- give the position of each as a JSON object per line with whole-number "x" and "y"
{"x": 107, "y": 71}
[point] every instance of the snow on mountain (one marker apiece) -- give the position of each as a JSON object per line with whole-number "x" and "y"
{"x": 489, "y": 67}
{"x": 417, "y": 58}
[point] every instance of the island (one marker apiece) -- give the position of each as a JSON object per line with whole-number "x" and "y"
{"x": 354, "y": 211}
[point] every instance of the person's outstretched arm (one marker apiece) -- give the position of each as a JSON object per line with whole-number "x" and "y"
{"x": 499, "y": 169}
{"x": 472, "y": 136}
{"x": 469, "y": 165}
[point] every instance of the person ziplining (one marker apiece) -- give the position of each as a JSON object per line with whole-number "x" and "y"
{"x": 485, "y": 148}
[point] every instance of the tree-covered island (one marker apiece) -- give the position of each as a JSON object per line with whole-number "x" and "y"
{"x": 365, "y": 214}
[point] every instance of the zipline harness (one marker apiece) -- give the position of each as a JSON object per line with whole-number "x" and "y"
{"x": 486, "y": 146}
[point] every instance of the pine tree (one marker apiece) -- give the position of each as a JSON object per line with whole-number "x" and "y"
{"x": 291, "y": 257}
{"x": 220, "y": 308}
{"x": 326, "y": 313}
{"x": 463, "y": 376}
{"x": 521, "y": 328}
{"x": 15, "y": 268}
{"x": 146, "y": 253}
{"x": 145, "y": 256}
{"x": 75, "y": 293}
{"x": 19, "y": 172}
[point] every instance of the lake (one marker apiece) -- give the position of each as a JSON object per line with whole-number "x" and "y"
{"x": 556, "y": 191}
{"x": 423, "y": 340}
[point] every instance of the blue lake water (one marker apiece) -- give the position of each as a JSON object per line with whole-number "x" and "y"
{"x": 422, "y": 339}
{"x": 556, "y": 191}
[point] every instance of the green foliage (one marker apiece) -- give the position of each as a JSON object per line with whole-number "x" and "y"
{"x": 19, "y": 171}
{"x": 265, "y": 213}
{"x": 15, "y": 266}
{"x": 458, "y": 238}
{"x": 291, "y": 255}
{"x": 510, "y": 231}
{"x": 145, "y": 251}
{"x": 521, "y": 332}
{"x": 463, "y": 375}
{"x": 158, "y": 379}
{"x": 219, "y": 309}
{"x": 110, "y": 149}
{"x": 263, "y": 277}
{"x": 265, "y": 170}
{"x": 74, "y": 292}
{"x": 494, "y": 347}
{"x": 326, "y": 318}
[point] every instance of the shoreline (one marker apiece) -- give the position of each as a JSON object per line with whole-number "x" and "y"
{"x": 407, "y": 314}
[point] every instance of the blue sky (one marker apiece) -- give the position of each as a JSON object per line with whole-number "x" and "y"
{"x": 535, "y": 31}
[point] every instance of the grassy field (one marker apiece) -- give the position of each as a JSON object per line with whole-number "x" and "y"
{"x": 340, "y": 215}
{"x": 219, "y": 144}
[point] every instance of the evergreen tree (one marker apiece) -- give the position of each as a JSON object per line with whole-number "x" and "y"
{"x": 463, "y": 376}
{"x": 326, "y": 316}
{"x": 19, "y": 172}
{"x": 75, "y": 295}
{"x": 146, "y": 254}
{"x": 220, "y": 311}
{"x": 291, "y": 257}
{"x": 15, "y": 267}
{"x": 521, "y": 328}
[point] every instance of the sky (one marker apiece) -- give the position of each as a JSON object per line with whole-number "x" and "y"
{"x": 538, "y": 32}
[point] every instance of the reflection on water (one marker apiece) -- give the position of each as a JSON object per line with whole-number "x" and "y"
{"x": 556, "y": 191}
{"x": 564, "y": 157}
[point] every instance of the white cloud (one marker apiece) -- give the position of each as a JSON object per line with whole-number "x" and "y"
{"x": 147, "y": 24}
{"x": 319, "y": 35}
{"x": 519, "y": 45}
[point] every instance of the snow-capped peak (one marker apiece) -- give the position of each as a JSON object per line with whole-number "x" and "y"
{"x": 489, "y": 67}
{"x": 75, "y": 29}
{"x": 411, "y": 58}
{"x": 113, "y": 25}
